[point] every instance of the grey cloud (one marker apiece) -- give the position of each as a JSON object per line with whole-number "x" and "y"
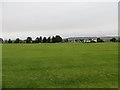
{"x": 64, "y": 18}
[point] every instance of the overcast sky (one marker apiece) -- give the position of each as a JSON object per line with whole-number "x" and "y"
{"x": 68, "y": 19}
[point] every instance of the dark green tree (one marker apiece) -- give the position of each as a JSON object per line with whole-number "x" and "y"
{"x": 53, "y": 39}
{"x": 66, "y": 40}
{"x": 58, "y": 38}
{"x": 9, "y": 41}
{"x": 76, "y": 40}
{"x": 1, "y": 40}
{"x": 17, "y": 40}
{"x": 81, "y": 40}
{"x": 118, "y": 39}
{"x": 99, "y": 40}
{"x": 6, "y": 41}
{"x": 49, "y": 40}
{"x": 113, "y": 40}
{"x": 29, "y": 40}
{"x": 40, "y": 39}
{"x": 44, "y": 40}
{"x": 33, "y": 41}
{"x": 37, "y": 40}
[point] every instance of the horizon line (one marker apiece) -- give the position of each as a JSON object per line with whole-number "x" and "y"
{"x": 62, "y": 37}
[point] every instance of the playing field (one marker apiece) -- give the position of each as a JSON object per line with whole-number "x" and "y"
{"x": 73, "y": 65}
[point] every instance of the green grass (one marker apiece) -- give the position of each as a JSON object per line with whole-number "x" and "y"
{"x": 0, "y": 66}
{"x": 73, "y": 65}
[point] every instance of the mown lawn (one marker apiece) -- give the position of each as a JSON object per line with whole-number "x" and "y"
{"x": 73, "y": 65}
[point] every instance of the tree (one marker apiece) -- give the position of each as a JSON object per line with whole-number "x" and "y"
{"x": 17, "y": 40}
{"x": 49, "y": 40}
{"x": 29, "y": 40}
{"x": 9, "y": 41}
{"x": 118, "y": 39}
{"x": 53, "y": 39}
{"x": 81, "y": 40}
{"x": 33, "y": 41}
{"x": 113, "y": 40}
{"x": 1, "y": 40}
{"x": 44, "y": 40}
{"x": 76, "y": 40}
{"x": 58, "y": 38}
{"x": 40, "y": 39}
{"x": 37, "y": 40}
{"x": 99, "y": 40}
{"x": 66, "y": 40}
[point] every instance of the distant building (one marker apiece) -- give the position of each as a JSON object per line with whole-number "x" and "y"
{"x": 82, "y": 39}
{"x": 107, "y": 39}
{"x": 89, "y": 39}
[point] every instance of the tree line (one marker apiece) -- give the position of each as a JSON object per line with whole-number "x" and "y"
{"x": 54, "y": 39}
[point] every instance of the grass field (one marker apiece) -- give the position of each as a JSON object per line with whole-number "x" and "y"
{"x": 73, "y": 65}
